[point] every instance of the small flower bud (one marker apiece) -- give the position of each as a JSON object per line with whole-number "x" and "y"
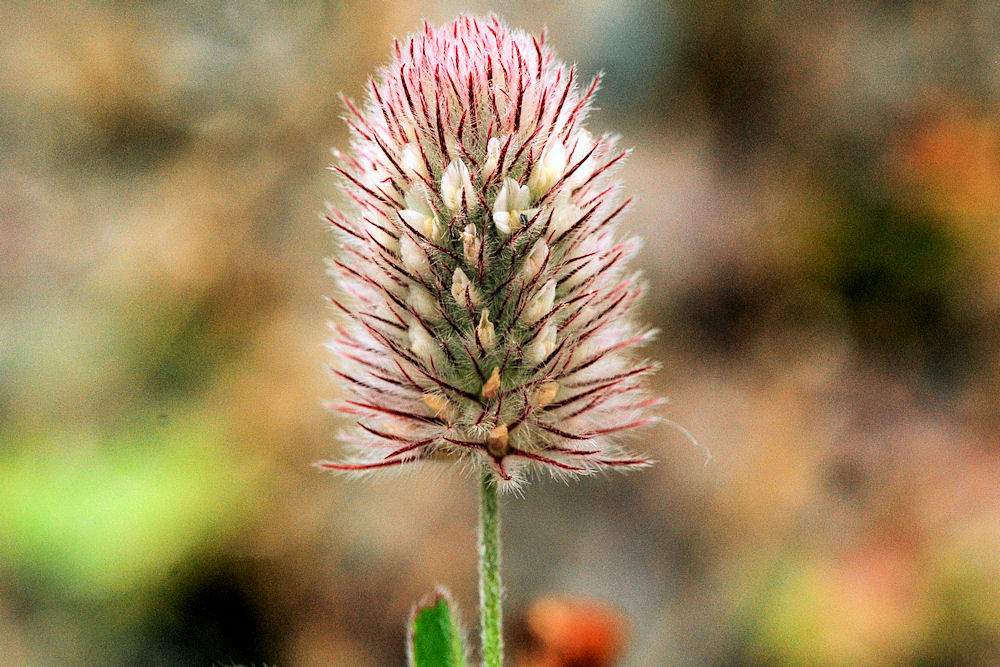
{"x": 580, "y": 320}
{"x": 462, "y": 289}
{"x": 536, "y": 258}
{"x": 470, "y": 244}
{"x": 492, "y": 157}
{"x": 382, "y": 237}
{"x": 541, "y": 303}
{"x": 413, "y": 161}
{"x": 492, "y": 385}
{"x": 543, "y": 345}
{"x": 549, "y": 168}
{"x": 581, "y": 352}
{"x": 421, "y": 342}
{"x": 456, "y": 184}
{"x": 486, "y": 331}
{"x": 546, "y": 393}
{"x": 512, "y": 201}
{"x": 496, "y": 441}
{"x": 565, "y": 217}
{"x": 423, "y": 303}
{"x": 409, "y": 130}
{"x": 413, "y": 257}
{"x": 439, "y": 406}
{"x": 420, "y": 217}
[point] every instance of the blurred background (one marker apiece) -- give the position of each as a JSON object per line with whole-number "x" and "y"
{"x": 818, "y": 186}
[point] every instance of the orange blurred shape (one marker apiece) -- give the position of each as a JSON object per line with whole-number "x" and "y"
{"x": 574, "y": 633}
{"x": 958, "y": 156}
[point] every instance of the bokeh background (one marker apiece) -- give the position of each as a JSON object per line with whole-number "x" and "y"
{"x": 818, "y": 185}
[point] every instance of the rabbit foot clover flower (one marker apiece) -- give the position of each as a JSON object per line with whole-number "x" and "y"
{"x": 486, "y": 311}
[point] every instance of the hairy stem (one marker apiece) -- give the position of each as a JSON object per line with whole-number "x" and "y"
{"x": 490, "y": 589}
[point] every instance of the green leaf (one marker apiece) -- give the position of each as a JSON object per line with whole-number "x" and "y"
{"x": 435, "y": 639}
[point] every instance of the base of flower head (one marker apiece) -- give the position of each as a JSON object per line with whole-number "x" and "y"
{"x": 555, "y": 459}
{"x": 511, "y": 451}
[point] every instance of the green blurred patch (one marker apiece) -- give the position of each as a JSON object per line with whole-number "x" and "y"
{"x": 808, "y": 610}
{"x": 190, "y": 341}
{"x": 966, "y": 625}
{"x": 99, "y": 517}
{"x": 903, "y": 281}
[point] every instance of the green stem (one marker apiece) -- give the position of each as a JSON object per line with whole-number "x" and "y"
{"x": 491, "y": 616}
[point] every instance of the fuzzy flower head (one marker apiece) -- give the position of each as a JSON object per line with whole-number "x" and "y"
{"x": 485, "y": 309}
